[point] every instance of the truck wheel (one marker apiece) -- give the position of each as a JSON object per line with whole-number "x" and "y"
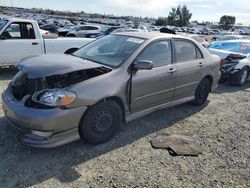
{"x": 241, "y": 77}
{"x": 101, "y": 122}
{"x": 202, "y": 92}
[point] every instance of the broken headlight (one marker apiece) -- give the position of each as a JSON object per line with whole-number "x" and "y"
{"x": 54, "y": 97}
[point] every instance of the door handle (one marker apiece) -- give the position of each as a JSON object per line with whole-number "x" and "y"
{"x": 171, "y": 70}
{"x": 201, "y": 64}
{"x": 35, "y": 43}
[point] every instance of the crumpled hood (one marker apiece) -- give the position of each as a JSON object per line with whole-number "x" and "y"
{"x": 48, "y": 65}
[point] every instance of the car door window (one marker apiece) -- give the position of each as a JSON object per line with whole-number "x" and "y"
{"x": 19, "y": 31}
{"x": 13, "y": 31}
{"x": 160, "y": 53}
{"x": 82, "y": 28}
{"x": 186, "y": 51}
{"x": 92, "y": 28}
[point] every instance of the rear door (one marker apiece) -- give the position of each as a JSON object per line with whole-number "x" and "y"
{"x": 190, "y": 67}
{"x": 155, "y": 86}
{"x": 20, "y": 42}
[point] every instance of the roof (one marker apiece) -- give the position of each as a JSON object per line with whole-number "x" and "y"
{"x": 148, "y": 35}
{"x": 19, "y": 20}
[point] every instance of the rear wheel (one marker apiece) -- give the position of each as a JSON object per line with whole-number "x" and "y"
{"x": 241, "y": 77}
{"x": 101, "y": 122}
{"x": 202, "y": 92}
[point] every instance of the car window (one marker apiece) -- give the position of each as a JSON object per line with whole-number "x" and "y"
{"x": 92, "y": 28}
{"x": 83, "y": 28}
{"x": 186, "y": 51}
{"x": 13, "y": 31}
{"x": 2, "y": 23}
{"x": 19, "y": 31}
{"x": 111, "y": 50}
{"x": 159, "y": 53}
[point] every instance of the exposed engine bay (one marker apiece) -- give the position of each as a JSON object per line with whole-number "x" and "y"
{"x": 231, "y": 61}
{"x": 22, "y": 85}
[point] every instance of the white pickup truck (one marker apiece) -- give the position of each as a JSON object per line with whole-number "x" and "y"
{"x": 21, "y": 38}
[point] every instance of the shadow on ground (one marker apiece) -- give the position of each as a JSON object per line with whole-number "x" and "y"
{"x": 38, "y": 165}
{"x": 228, "y": 88}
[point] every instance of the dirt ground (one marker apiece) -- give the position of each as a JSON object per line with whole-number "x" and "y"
{"x": 222, "y": 126}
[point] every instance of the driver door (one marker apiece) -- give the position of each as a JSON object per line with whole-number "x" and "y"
{"x": 20, "y": 42}
{"x": 155, "y": 86}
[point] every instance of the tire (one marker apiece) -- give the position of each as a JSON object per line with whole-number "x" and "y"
{"x": 202, "y": 92}
{"x": 100, "y": 123}
{"x": 241, "y": 77}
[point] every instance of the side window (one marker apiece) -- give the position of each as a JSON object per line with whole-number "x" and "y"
{"x": 13, "y": 31}
{"x": 186, "y": 51}
{"x": 159, "y": 53}
{"x": 92, "y": 28}
{"x": 198, "y": 53}
{"x": 19, "y": 31}
{"x": 83, "y": 28}
{"x": 28, "y": 31}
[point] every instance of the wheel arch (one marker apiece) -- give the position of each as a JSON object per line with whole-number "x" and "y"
{"x": 71, "y": 50}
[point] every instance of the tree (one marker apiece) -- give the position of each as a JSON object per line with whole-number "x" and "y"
{"x": 179, "y": 16}
{"x": 161, "y": 21}
{"x": 227, "y": 22}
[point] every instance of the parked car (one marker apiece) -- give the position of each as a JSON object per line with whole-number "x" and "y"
{"x": 235, "y": 56}
{"x": 127, "y": 30}
{"x": 57, "y": 99}
{"x": 50, "y": 27}
{"x": 62, "y": 32}
{"x": 20, "y": 38}
{"x": 207, "y": 31}
{"x": 82, "y": 30}
{"x": 201, "y": 40}
{"x": 101, "y": 32}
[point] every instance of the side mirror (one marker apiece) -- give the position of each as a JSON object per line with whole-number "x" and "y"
{"x": 143, "y": 65}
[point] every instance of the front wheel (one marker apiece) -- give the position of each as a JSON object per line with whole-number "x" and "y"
{"x": 202, "y": 92}
{"x": 241, "y": 77}
{"x": 101, "y": 122}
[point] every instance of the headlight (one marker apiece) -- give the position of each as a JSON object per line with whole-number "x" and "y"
{"x": 54, "y": 97}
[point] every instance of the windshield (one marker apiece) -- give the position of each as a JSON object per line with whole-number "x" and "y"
{"x": 2, "y": 23}
{"x": 111, "y": 50}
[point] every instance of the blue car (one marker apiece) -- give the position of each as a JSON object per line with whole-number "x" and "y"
{"x": 235, "y": 60}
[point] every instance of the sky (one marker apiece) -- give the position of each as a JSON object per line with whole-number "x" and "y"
{"x": 202, "y": 10}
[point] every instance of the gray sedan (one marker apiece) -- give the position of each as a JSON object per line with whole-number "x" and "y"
{"x": 57, "y": 99}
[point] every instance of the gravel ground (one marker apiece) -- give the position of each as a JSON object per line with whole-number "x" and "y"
{"x": 222, "y": 126}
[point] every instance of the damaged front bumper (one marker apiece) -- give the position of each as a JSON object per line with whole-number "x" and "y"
{"x": 43, "y": 128}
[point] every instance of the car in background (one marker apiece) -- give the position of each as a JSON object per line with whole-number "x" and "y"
{"x": 207, "y": 31}
{"x": 50, "y": 27}
{"x": 235, "y": 56}
{"x": 82, "y": 30}
{"x": 198, "y": 38}
{"x": 201, "y": 40}
{"x": 127, "y": 30}
{"x": 57, "y": 99}
{"x": 62, "y": 32}
{"x": 216, "y": 31}
{"x": 101, "y": 32}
